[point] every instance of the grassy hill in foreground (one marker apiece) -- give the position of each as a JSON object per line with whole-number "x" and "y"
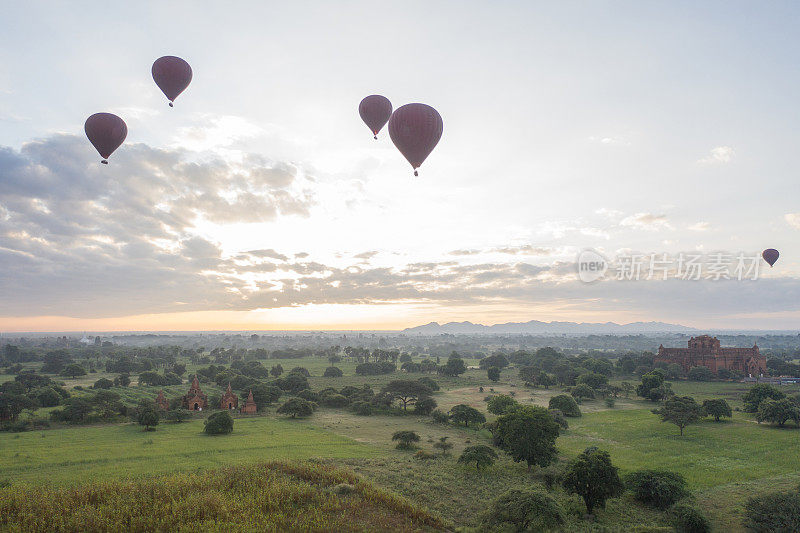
{"x": 261, "y": 497}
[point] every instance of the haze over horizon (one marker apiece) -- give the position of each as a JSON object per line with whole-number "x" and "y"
{"x": 261, "y": 202}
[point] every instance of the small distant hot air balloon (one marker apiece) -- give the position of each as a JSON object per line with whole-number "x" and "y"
{"x": 172, "y": 75}
{"x": 415, "y": 130}
{"x": 770, "y": 255}
{"x": 375, "y": 111}
{"x": 106, "y": 132}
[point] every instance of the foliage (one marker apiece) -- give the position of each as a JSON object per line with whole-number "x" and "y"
{"x": 758, "y": 393}
{"x": 778, "y": 411}
{"x": 493, "y": 373}
{"x": 566, "y": 404}
{"x": 148, "y": 417}
{"x": 220, "y": 423}
{"x": 582, "y": 391}
{"x": 264, "y": 394}
{"x": 681, "y": 411}
{"x": 103, "y": 383}
{"x": 700, "y": 373}
{"x": 528, "y": 434}
{"x": 334, "y": 400}
{"x": 687, "y": 519}
{"x": 482, "y": 456}
{"x": 361, "y": 408}
{"x": 430, "y": 383}
{"x": 454, "y": 367}
{"x": 276, "y": 370}
{"x": 333, "y": 372}
{"x": 303, "y": 371}
{"x": 73, "y": 370}
{"x": 443, "y": 446}
{"x": 407, "y": 391}
{"x": 657, "y": 488}
{"x": 559, "y": 418}
{"x": 425, "y": 406}
{"x": 523, "y": 510}
{"x": 406, "y": 439}
{"x": 296, "y": 408}
{"x": 717, "y": 408}
{"x": 501, "y": 404}
{"x": 375, "y": 368}
{"x": 440, "y": 417}
{"x": 466, "y": 414}
{"x": 293, "y": 383}
{"x": 777, "y": 512}
{"x": 178, "y": 415}
{"x": 592, "y": 477}
{"x": 610, "y": 402}
{"x": 593, "y": 380}
{"x": 650, "y": 385}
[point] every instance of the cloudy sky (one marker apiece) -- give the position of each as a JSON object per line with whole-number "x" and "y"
{"x": 261, "y": 200}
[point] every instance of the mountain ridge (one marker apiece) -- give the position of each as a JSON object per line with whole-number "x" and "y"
{"x": 539, "y": 327}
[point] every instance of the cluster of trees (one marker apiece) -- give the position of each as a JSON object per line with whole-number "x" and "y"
{"x": 28, "y": 391}
{"x": 772, "y": 405}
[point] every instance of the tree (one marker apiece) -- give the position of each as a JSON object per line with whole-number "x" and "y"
{"x": 592, "y": 477}
{"x": 482, "y": 456}
{"x": 454, "y": 367}
{"x": 773, "y": 512}
{"x": 559, "y": 418}
{"x": 293, "y": 383}
{"x": 361, "y": 408}
{"x": 778, "y": 411}
{"x": 757, "y": 394}
{"x": 717, "y": 408}
{"x": 523, "y": 510}
{"x": 657, "y": 488}
{"x": 103, "y": 383}
{"x": 407, "y": 391}
{"x": 593, "y": 380}
{"x": 151, "y": 378}
{"x": 566, "y": 404}
{"x": 276, "y": 370}
{"x": 333, "y": 372}
{"x": 47, "y": 397}
{"x": 74, "y": 370}
{"x": 493, "y": 373}
{"x": 123, "y": 380}
{"x": 430, "y": 383}
{"x": 406, "y": 439}
{"x": 178, "y": 415}
{"x": 582, "y": 391}
{"x": 687, "y": 519}
{"x": 528, "y": 434}
{"x": 651, "y": 380}
{"x": 11, "y": 405}
{"x": 501, "y": 404}
{"x": 263, "y": 394}
{"x": 681, "y": 411}
{"x": 303, "y": 371}
{"x": 296, "y": 408}
{"x": 700, "y": 373}
{"x": 443, "y": 446}
{"x": 425, "y": 406}
{"x": 148, "y": 417}
{"x": 627, "y": 388}
{"x": 466, "y": 414}
{"x": 220, "y": 423}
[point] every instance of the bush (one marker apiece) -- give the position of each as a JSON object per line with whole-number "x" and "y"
{"x": 424, "y": 455}
{"x": 700, "y": 373}
{"x": 406, "y": 439}
{"x": 481, "y": 455}
{"x": 501, "y": 404}
{"x": 582, "y": 391}
{"x": 566, "y": 404}
{"x": 493, "y": 373}
{"x": 178, "y": 416}
{"x": 689, "y": 520}
{"x": 333, "y": 372}
{"x": 610, "y": 402}
{"x": 334, "y": 400}
{"x": 425, "y": 406}
{"x": 219, "y": 424}
{"x": 559, "y": 418}
{"x": 522, "y": 510}
{"x": 440, "y": 417}
{"x": 758, "y": 393}
{"x": 300, "y": 370}
{"x": 296, "y": 408}
{"x": 148, "y": 417}
{"x": 309, "y": 395}
{"x": 774, "y": 512}
{"x": 103, "y": 383}
{"x": 430, "y": 383}
{"x": 656, "y": 488}
{"x": 362, "y": 408}
{"x": 374, "y": 369}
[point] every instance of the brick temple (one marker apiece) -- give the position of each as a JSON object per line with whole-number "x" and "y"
{"x": 706, "y": 351}
{"x": 229, "y": 400}
{"x": 195, "y": 400}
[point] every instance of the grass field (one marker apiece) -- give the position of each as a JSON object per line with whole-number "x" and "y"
{"x": 73, "y": 455}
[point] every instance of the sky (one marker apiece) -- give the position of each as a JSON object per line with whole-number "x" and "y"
{"x": 260, "y": 201}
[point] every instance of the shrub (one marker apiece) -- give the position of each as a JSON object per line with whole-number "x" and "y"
{"x": 566, "y": 404}
{"x": 700, "y": 373}
{"x": 778, "y": 411}
{"x": 592, "y": 477}
{"x": 148, "y": 417}
{"x": 758, "y": 393}
{"x": 656, "y": 488}
{"x": 296, "y": 408}
{"x": 103, "y": 383}
{"x": 362, "y": 408}
{"x": 424, "y": 455}
{"x": 443, "y": 446}
{"x": 406, "y": 439}
{"x": 334, "y": 400}
{"x": 522, "y": 510}
{"x": 466, "y": 414}
{"x": 717, "y": 408}
{"x": 481, "y": 455}
{"x": 425, "y": 406}
{"x": 501, "y": 404}
{"x": 493, "y": 373}
{"x": 777, "y": 511}
{"x": 374, "y": 369}
{"x": 689, "y": 520}
{"x": 178, "y": 415}
{"x": 610, "y": 402}
{"x": 559, "y": 418}
{"x": 300, "y": 370}
{"x": 219, "y": 424}
{"x": 583, "y": 391}
{"x": 430, "y": 383}
{"x": 333, "y": 372}
{"x": 440, "y": 417}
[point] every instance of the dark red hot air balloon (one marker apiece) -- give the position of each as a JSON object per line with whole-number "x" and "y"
{"x": 172, "y": 75}
{"x": 106, "y": 132}
{"x": 415, "y": 130}
{"x": 375, "y": 111}
{"x": 770, "y": 255}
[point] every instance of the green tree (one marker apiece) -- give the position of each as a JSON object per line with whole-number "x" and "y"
{"x": 758, "y": 393}
{"x": 443, "y": 446}
{"x": 717, "y": 408}
{"x": 528, "y": 434}
{"x": 466, "y": 414}
{"x": 425, "y": 406}
{"x": 148, "y": 417}
{"x": 501, "y": 404}
{"x": 454, "y": 367}
{"x": 700, "y": 373}
{"x": 592, "y": 477}
{"x": 778, "y": 411}
{"x": 263, "y": 395}
{"x": 582, "y": 391}
{"x": 523, "y": 510}
{"x": 776, "y": 512}
{"x": 333, "y": 372}
{"x": 687, "y": 519}
{"x": 650, "y": 381}
{"x": 566, "y": 404}
{"x": 593, "y": 380}
{"x": 220, "y": 423}
{"x": 123, "y": 380}
{"x": 493, "y": 373}
{"x": 657, "y": 488}
{"x": 276, "y": 370}
{"x": 11, "y": 405}
{"x": 407, "y": 391}
{"x": 406, "y": 439}
{"x": 482, "y": 456}
{"x": 681, "y": 411}
{"x": 296, "y": 408}
{"x": 73, "y": 370}
{"x": 103, "y": 383}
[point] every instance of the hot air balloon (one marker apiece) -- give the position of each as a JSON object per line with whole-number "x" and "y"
{"x": 375, "y": 111}
{"x": 415, "y": 130}
{"x": 770, "y": 255}
{"x": 106, "y": 132}
{"x": 172, "y": 75}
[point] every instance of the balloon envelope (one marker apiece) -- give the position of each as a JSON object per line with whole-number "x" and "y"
{"x": 770, "y": 255}
{"x": 375, "y": 111}
{"x": 106, "y": 132}
{"x": 415, "y": 130}
{"x": 172, "y": 75}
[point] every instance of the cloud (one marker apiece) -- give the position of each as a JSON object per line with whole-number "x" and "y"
{"x": 526, "y": 249}
{"x": 793, "y": 219}
{"x": 646, "y": 221}
{"x": 719, "y": 155}
{"x": 610, "y": 140}
{"x": 366, "y": 256}
{"x": 464, "y": 252}
{"x": 699, "y": 226}
{"x": 272, "y": 254}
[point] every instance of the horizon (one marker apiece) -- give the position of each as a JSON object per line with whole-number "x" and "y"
{"x": 262, "y": 202}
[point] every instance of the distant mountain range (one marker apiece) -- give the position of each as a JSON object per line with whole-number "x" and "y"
{"x": 536, "y": 327}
